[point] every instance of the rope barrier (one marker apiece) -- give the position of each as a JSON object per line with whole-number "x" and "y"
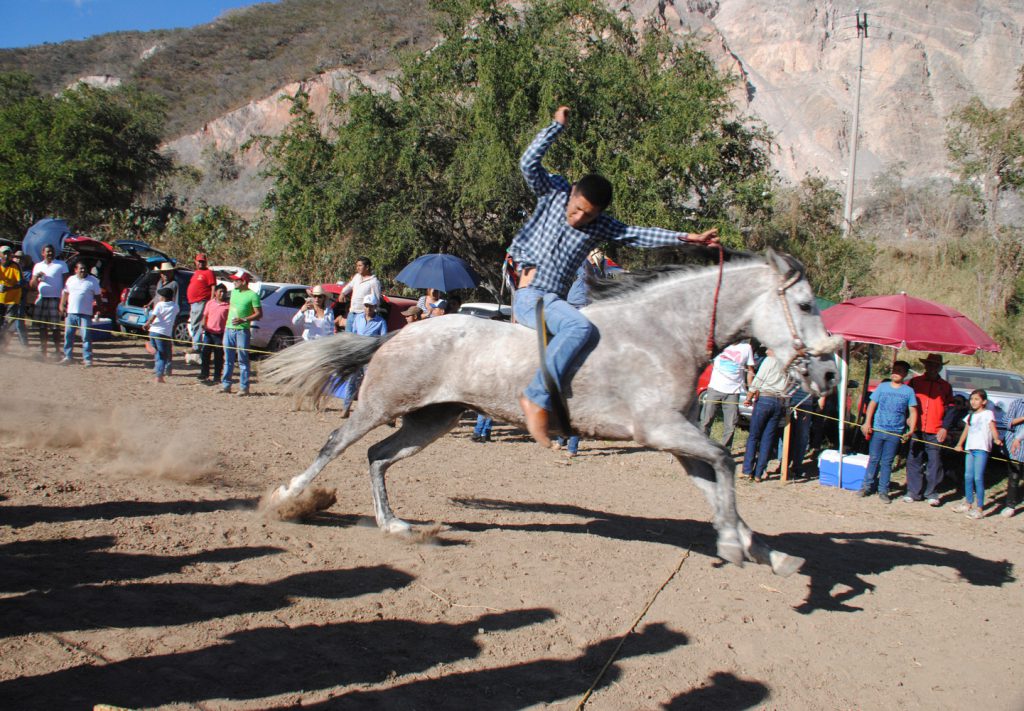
{"x": 632, "y": 628}
{"x": 853, "y": 423}
{"x": 129, "y": 334}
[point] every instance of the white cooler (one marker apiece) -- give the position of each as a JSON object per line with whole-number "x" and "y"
{"x": 854, "y": 466}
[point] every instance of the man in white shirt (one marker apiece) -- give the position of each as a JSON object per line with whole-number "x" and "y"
{"x": 48, "y": 278}
{"x": 732, "y": 368}
{"x": 76, "y": 302}
{"x": 363, "y": 283}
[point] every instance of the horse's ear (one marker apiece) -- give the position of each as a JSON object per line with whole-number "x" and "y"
{"x": 786, "y": 265}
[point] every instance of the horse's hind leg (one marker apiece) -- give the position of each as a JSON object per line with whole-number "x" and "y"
{"x": 419, "y": 428}
{"x": 339, "y": 440}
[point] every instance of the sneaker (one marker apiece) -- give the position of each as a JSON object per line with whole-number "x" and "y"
{"x": 884, "y": 497}
{"x": 908, "y": 499}
{"x": 476, "y": 438}
{"x": 864, "y": 493}
{"x": 244, "y": 392}
{"x": 65, "y": 361}
{"x": 975, "y": 514}
{"x": 1008, "y": 511}
{"x": 226, "y": 389}
{"x": 962, "y": 507}
{"x": 87, "y": 363}
{"x": 934, "y": 501}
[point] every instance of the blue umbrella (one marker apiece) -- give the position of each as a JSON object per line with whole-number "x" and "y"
{"x": 45, "y": 232}
{"x": 443, "y": 272}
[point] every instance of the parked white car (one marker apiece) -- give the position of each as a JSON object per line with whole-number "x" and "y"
{"x": 280, "y": 301}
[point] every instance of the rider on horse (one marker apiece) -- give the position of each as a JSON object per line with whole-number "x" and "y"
{"x": 567, "y": 223}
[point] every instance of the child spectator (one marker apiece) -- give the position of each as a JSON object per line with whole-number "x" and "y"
{"x": 978, "y": 435}
{"x": 215, "y": 319}
{"x": 886, "y": 426}
{"x": 161, "y": 328}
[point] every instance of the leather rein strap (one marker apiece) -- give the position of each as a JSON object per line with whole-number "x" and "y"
{"x": 714, "y": 303}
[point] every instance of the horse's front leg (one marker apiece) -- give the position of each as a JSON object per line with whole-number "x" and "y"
{"x": 712, "y": 470}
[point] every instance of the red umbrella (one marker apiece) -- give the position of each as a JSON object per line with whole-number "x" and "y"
{"x": 903, "y": 321}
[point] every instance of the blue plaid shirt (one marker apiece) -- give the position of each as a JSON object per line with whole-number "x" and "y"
{"x": 549, "y": 243}
{"x": 1015, "y": 410}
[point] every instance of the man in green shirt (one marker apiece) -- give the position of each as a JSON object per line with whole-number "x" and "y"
{"x": 244, "y": 309}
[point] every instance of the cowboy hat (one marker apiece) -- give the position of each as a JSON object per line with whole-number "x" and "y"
{"x": 317, "y": 290}
{"x": 166, "y": 267}
{"x": 934, "y": 358}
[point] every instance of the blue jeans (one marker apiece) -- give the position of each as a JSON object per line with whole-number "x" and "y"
{"x": 974, "y": 477}
{"x": 881, "y": 452}
{"x": 572, "y": 445}
{"x": 162, "y": 356}
{"x": 764, "y": 430}
{"x": 71, "y": 324}
{"x": 801, "y": 433}
{"x": 483, "y": 425}
{"x": 350, "y": 388}
{"x": 572, "y": 331}
{"x": 236, "y": 345}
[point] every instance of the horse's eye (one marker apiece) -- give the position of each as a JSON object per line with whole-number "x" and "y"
{"x": 806, "y": 307}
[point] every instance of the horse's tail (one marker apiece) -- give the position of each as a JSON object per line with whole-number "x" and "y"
{"x": 309, "y": 369}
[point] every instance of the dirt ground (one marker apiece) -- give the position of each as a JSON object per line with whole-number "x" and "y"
{"x": 135, "y": 571}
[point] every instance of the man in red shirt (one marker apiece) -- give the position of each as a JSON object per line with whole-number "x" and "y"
{"x": 933, "y": 396}
{"x": 200, "y": 288}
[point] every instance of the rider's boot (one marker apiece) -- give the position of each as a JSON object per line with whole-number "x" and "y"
{"x": 536, "y": 422}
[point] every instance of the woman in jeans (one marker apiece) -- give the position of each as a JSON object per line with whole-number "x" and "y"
{"x": 887, "y": 426}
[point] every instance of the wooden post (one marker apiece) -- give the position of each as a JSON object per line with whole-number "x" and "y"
{"x": 786, "y": 431}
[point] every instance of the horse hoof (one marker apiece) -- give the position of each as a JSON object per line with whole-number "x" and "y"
{"x": 784, "y": 564}
{"x": 731, "y": 553}
{"x": 279, "y": 504}
{"x": 396, "y": 526}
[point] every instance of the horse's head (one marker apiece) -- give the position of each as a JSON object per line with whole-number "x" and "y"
{"x": 791, "y": 326}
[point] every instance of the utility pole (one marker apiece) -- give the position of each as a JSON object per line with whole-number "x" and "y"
{"x": 862, "y": 33}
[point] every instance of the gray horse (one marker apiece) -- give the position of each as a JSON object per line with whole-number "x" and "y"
{"x": 636, "y": 384}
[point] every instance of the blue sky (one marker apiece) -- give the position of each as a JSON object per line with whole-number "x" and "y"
{"x": 29, "y": 22}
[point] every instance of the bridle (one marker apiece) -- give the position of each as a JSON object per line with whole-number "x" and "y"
{"x": 799, "y": 361}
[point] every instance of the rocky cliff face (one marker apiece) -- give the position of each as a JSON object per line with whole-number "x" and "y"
{"x": 798, "y": 61}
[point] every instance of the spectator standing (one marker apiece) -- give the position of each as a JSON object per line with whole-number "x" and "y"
{"x": 48, "y": 279}
{"x": 244, "y": 308}
{"x": 1015, "y": 424}
{"x": 806, "y": 409}
{"x": 482, "y": 430}
{"x": 10, "y": 291}
{"x": 20, "y": 311}
{"x": 976, "y": 440}
{"x": 316, "y": 319}
{"x": 77, "y": 302}
{"x": 160, "y": 325}
{"x": 362, "y": 284}
{"x": 886, "y": 426}
{"x": 215, "y": 318}
{"x": 924, "y": 461}
{"x": 367, "y": 323}
{"x": 199, "y": 292}
{"x": 732, "y": 369}
{"x": 768, "y": 395}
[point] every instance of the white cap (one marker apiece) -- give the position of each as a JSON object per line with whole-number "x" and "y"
{"x": 370, "y": 300}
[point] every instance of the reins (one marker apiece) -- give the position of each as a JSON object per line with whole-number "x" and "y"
{"x": 714, "y": 302}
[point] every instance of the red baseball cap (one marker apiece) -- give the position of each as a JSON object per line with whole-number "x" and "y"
{"x": 201, "y": 257}
{"x": 242, "y": 275}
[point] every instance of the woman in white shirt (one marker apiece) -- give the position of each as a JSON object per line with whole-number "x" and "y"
{"x": 317, "y": 319}
{"x": 363, "y": 282}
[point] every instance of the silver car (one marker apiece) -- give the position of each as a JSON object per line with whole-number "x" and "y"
{"x": 280, "y": 301}
{"x": 1002, "y": 387}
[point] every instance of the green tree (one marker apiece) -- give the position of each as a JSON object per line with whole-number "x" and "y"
{"x": 986, "y": 148}
{"x": 434, "y": 167}
{"x": 77, "y": 154}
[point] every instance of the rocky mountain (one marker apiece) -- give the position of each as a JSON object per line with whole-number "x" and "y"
{"x": 798, "y": 61}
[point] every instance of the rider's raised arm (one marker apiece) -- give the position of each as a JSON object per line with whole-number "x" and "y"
{"x": 540, "y": 181}
{"x": 649, "y": 237}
